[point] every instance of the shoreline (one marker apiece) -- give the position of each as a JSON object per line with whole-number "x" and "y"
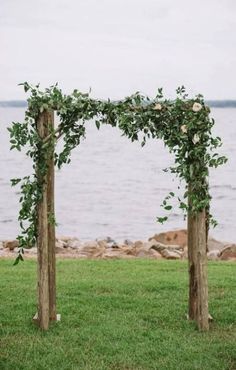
{"x": 171, "y": 245}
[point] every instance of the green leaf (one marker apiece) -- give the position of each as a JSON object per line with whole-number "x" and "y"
{"x": 18, "y": 259}
{"x": 161, "y": 220}
{"x": 26, "y": 86}
{"x": 15, "y": 181}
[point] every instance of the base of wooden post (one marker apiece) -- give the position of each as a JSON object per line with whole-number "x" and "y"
{"x": 36, "y": 317}
{"x": 210, "y": 318}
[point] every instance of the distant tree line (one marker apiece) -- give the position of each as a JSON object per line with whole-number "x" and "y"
{"x": 211, "y": 103}
{"x": 13, "y": 103}
{"x": 221, "y": 103}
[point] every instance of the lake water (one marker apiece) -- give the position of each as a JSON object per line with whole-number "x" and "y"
{"x": 114, "y": 187}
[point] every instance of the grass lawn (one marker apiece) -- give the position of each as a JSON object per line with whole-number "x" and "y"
{"x": 119, "y": 315}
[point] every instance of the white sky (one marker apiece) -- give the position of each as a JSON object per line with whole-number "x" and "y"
{"x": 117, "y": 47}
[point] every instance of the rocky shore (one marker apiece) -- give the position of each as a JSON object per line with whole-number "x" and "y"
{"x": 168, "y": 245}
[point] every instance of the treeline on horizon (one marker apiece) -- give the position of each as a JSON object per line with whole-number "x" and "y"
{"x": 211, "y": 103}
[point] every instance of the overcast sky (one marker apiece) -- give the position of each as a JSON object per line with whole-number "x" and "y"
{"x": 117, "y": 47}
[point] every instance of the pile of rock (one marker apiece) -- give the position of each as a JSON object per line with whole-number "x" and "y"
{"x": 169, "y": 245}
{"x": 217, "y": 250}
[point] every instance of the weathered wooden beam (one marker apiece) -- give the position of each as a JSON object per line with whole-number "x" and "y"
{"x": 49, "y": 116}
{"x": 192, "y": 264}
{"x": 197, "y": 258}
{"x": 42, "y": 241}
{"x": 202, "y": 281}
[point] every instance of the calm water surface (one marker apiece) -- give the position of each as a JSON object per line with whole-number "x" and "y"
{"x": 115, "y": 187}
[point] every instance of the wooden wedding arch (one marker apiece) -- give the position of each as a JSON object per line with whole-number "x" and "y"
{"x": 184, "y": 125}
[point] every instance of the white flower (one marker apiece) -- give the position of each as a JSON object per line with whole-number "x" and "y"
{"x": 184, "y": 129}
{"x": 196, "y": 139}
{"x": 158, "y": 106}
{"x": 197, "y": 107}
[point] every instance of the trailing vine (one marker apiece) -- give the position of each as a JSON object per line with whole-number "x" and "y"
{"x": 183, "y": 124}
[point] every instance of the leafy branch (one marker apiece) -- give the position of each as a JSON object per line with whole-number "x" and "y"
{"x": 183, "y": 124}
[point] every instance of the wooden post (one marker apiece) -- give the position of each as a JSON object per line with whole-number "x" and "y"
{"x": 42, "y": 242}
{"x": 51, "y": 224}
{"x": 192, "y": 262}
{"x": 202, "y": 282}
{"x": 197, "y": 256}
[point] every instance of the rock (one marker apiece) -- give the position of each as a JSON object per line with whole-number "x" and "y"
{"x": 171, "y": 254}
{"x": 112, "y": 253}
{"x": 135, "y": 248}
{"x": 61, "y": 244}
{"x": 117, "y": 254}
{"x": 115, "y": 245}
{"x": 128, "y": 242}
{"x": 73, "y": 243}
{"x": 176, "y": 237}
{"x": 138, "y": 244}
{"x": 228, "y": 253}
{"x": 155, "y": 254}
{"x": 102, "y": 244}
{"x": 148, "y": 253}
{"x": 214, "y": 244}
{"x": 90, "y": 245}
{"x": 109, "y": 242}
{"x": 213, "y": 255}
{"x": 60, "y": 250}
{"x": 61, "y": 247}
{"x": 180, "y": 237}
{"x": 32, "y": 250}
{"x": 126, "y": 250}
{"x": 167, "y": 251}
{"x": 108, "y": 239}
{"x": 65, "y": 238}
{"x": 1, "y": 245}
{"x": 185, "y": 253}
{"x": 159, "y": 247}
{"x": 6, "y": 253}
{"x": 142, "y": 249}
{"x": 11, "y": 245}
{"x": 91, "y": 250}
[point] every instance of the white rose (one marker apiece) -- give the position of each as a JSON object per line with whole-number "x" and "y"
{"x": 184, "y": 129}
{"x": 196, "y": 139}
{"x": 158, "y": 106}
{"x": 197, "y": 107}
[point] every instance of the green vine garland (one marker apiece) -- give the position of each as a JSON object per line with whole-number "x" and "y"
{"x": 183, "y": 124}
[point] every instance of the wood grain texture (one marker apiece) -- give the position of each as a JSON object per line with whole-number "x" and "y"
{"x": 42, "y": 243}
{"x": 197, "y": 260}
{"x": 51, "y": 219}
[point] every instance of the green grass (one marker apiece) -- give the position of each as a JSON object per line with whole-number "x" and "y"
{"x": 117, "y": 315}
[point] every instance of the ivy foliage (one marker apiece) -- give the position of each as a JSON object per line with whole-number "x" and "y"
{"x": 183, "y": 124}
